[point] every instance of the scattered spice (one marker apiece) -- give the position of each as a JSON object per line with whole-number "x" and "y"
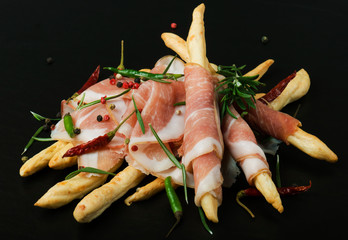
{"x": 264, "y": 39}
{"x": 134, "y": 148}
{"x": 24, "y": 159}
{"x": 119, "y": 84}
{"x": 178, "y": 112}
{"x": 173, "y": 25}
{"x": 118, "y": 76}
{"x": 136, "y": 86}
{"x": 99, "y": 118}
{"x": 125, "y": 85}
{"x": 49, "y": 60}
{"x": 77, "y": 131}
{"x": 126, "y": 141}
{"x": 112, "y": 81}
{"x": 112, "y": 106}
{"x": 137, "y": 80}
{"x": 106, "y": 117}
{"x": 103, "y": 100}
{"x": 130, "y": 84}
{"x": 53, "y": 126}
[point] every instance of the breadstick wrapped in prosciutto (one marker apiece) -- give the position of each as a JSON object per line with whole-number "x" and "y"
{"x": 241, "y": 142}
{"x": 203, "y": 144}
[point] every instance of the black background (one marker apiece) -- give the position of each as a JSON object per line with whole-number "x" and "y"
{"x": 79, "y": 35}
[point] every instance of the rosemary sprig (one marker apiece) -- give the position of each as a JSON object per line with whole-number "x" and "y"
{"x": 204, "y": 222}
{"x": 140, "y": 119}
{"x": 236, "y": 89}
{"x": 88, "y": 170}
{"x": 107, "y": 98}
{"x": 43, "y": 139}
{"x": 179, "y": 103}
{"x": 81, "y": 101}
{"x": 40, "y": 118}
{"x": 170, "y": 64}
{"x": 173, "y": 159}
{"x": 32, "y": 140}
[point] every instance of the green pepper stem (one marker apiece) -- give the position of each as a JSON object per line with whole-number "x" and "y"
{"x": 241, "y": 194}
{"x": 121, "y": 66}
{"x": 178, "y": 216}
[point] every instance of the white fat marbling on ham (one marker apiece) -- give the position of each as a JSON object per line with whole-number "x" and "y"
{"x": 241, "y": 142}
{"x": 203, "y": 144}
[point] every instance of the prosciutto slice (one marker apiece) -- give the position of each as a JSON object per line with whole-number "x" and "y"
{"x": 86, "y": 119}
{"x": 241, "y": 142}
{"x": 203, "y": 144}
{"x": 156, "y": 102}
{"x": 271, "y": 122}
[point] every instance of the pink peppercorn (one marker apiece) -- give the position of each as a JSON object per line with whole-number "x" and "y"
{"x": 103, "y": 100}
{"x": 173, "y": 25}
{"x": 125, "y": 85}
{"x": 112, "y": 81}
{"x": 130, "y": 84}
{"x": 106, "y": 117}
{"x": 136, "y": 85}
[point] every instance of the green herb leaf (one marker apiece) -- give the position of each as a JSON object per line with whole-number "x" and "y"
{"x": 43, "y": 139}
{"x": 170, "y": 63}
{"x": 81, "y": 102}
{"x": 40, "y": 118}
{"x": 204, "y": 222}
{"x": 236, "y": 89}
{"x": 173, "y": 159}
{"x": 107, "y": 98}
{"x": 179, "y": 103}
{"x": 278, "y": 182}
{"x": 32, "y": 140}
{"x": 88, "y": 170}
{"x": 140, "y": 119}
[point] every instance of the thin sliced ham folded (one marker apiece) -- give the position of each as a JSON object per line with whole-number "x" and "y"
{"x": 241, "y": 142}
{"x": 203, "y": 144}
{"x": 156, "y": 102}
{"x": 86, "y": 119}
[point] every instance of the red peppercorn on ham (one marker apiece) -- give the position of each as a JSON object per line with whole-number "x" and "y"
{"x": 203, "y": 144}
{"x": 241, "y": 142}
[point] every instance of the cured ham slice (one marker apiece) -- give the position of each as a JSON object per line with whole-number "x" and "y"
{"x": 203, "y": 145}
{"x": 156, "y": 102}
{"x": 86, "y": 119}
{"x": 276, "y": 124}
{"x": 241, "y": 142}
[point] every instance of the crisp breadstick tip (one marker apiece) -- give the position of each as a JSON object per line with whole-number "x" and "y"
{"x": 210, "y": 206}
{"x": 263, "y": 182}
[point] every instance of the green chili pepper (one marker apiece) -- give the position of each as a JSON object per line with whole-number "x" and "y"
{"x": 174, "y": 202}
{"x": 32, "y": 139}
{"x": 145, "y": 75}
{"x": 69, "y": 125}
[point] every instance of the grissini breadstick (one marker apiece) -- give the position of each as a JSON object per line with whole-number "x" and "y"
{"x": 95, "y": 203}
{"x": 75, "y": 188}
{"x": 40, "y": 160}
{"x": 260, "y": 69}
{"x": 312, "y": 145}
{"x": 147, "y": 191}
{"x": 58, "y": 162}
{"x": 197, "y": 54}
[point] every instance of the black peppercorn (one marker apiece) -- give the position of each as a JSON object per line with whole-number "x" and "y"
{"x": 77, "y": 131}
{"x": 137, "y": 80}
{"x": 99, "y": 118}
{"x": 119, "y": 84}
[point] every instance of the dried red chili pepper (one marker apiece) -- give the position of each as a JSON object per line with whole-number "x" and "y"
{"x": 95, "y": 143}
{"x": 91, "y": 80}
{"x": 277, "y": 90}
{"x": 89, "y": 146}
{"x": 283, "y": 191}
